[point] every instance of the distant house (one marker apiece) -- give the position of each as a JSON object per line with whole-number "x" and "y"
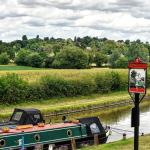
{"x": 88, "y": 48}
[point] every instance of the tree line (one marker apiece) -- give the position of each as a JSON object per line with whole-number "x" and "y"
{"x": 74, "y": 53}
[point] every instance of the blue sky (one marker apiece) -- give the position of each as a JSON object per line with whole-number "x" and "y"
{"x": 114, "y": 19}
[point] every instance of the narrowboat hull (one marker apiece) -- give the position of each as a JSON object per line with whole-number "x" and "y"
{"x": 45, "y": 135}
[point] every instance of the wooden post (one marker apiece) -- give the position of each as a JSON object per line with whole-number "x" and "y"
{"x": 38, "y": 147}
{"x": 73, "y": 144}
{"x": 96, "y": 140}
{"x": 124, "y": 136}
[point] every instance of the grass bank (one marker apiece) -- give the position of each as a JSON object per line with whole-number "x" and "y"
{"x": 66, "y": 104}
{"x": 144, "y": 144}
{"x": 63, "y": 104}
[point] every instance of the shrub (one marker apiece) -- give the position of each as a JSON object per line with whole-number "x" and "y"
{"x": 71, "y": 58}
{"x": 59, "y": 87}
{"x": 100, "y": 59}
{"x": 35, "y": 92}
{"x": 115, "y": 81}
{"x": 119, "y": 81}
{"x": 83, "y": 86}
{"x": 104, "y": 82}
{"x": 12, "y": 88}
{"x": 54, "y": 86}
{"x": 4, "y": 59}
{"x": 48, "y": 61}
{"x": 35, "y": 60}
{"x": 122, "y": 62}
{"x": 111, "y": 81}
{"x": 22, "y": 58}
{"x": 113, "y": 57}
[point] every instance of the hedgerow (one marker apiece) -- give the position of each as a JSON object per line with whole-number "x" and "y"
{"x": 14, "y": 89}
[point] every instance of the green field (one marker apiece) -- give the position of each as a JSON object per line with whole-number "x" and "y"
{"x": 144, "y": 144}
{"x": 14, "y": 67}
{"x": 33, "y": 74}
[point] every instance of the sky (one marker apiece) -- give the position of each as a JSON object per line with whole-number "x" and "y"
{"x": 113, "y": 19}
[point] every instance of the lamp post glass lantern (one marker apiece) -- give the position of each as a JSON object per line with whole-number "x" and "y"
{"x": 137, "y": 89}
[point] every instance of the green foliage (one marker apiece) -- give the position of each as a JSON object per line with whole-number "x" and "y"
{"x": 89, "y": 45}
{"x": 100, "y": 59}
{"x": 24, "y": 38}
{"x": 138, "y": 50}
{"x": 35, "y": 60}
{"x": 56, "y": 48}
{"x": 59, "y": 87}
{"x": 35, "y": 92}
{"x": 103, "y": 82}
{"x": 71, "y": 58}
{"x": 122, "y": 62}
{"x": 91, "y": 57}
{"x": 4, "y": 58}
{"x": 117, "y": 83}
{"x": 48, "y": 61}
{"x": 24, "y": 41}
{"x": 110, "y": 81}
{"x": 12, "y": 88}
{"x": 112, "y": 60}
{"x": 22, "y": 57}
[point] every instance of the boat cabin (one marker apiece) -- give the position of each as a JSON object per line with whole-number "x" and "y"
{"x": 24, "y": 117}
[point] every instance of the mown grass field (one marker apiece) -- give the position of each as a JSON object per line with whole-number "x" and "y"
{"x": 144, "y": 144}
{"x": 33, "y": 74}
{"x": 14, "y": 67}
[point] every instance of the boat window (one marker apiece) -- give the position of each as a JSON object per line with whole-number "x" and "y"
{"x": 94, "y": 128}
{"x": 37, "y": 116}
{"x": 17, "y": 116}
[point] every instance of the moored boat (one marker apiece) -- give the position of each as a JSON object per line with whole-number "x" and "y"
{"x": 26, "y": 128}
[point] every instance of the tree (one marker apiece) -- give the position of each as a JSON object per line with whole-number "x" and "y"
{"x": 137, "y": 50}
{"x": 24, "y": 38}
{"x": 122, "y": 62}
{"x": 113, "y": 57}
{"x": 91, "y": 57}
{"x": 24, "y": 41}
{"x": 37, "y": 37}
{"x": 22, "y": 57}
{"x": 100, "y": 59}
{"x": 56, "y": 48}
{"x": 35, "y": 60}
{"x": 46, "y": 38}
{"x": 4, "y": 58}
{"x": 71, "y": 58}
{"x": 48, "y": 61}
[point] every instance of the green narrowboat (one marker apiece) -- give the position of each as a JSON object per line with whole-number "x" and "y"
{"x": 26, "y": 129}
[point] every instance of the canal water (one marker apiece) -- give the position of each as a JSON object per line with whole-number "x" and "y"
{"x": 119, "y": 119}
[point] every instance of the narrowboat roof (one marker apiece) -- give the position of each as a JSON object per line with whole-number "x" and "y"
{"x": 13, "y": 130}
{"x": 27, "y": 110}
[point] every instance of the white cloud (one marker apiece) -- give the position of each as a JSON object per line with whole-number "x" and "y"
{"x": 115, "y": 19}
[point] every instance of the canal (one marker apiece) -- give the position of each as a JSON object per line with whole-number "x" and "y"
{"x": 119, "y": 119}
